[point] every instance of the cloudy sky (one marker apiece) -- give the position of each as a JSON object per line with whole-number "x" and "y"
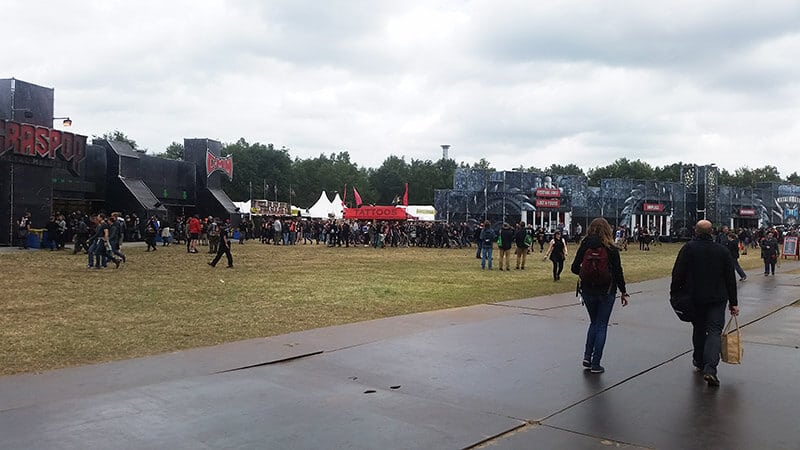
{"x": 518, "y": 82}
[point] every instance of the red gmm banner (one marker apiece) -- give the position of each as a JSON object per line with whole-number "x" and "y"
{"x": 214, "y": 163}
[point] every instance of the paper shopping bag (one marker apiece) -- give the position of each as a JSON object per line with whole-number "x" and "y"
{"x": 731, "y": 351}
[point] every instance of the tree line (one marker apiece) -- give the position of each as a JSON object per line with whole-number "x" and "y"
{"x": 263, "y": 171}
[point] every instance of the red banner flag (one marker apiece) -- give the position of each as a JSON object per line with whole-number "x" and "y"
{"x": 405, "y": 196}
{"x": 358, "y": 197}
{"x": 214, "y": 163}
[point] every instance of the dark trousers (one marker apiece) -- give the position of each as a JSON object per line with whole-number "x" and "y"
{"x": 707, "y": 329}
{"x": 223, "y": 248}
{"x": 478, "y": 249}
{"x": 769, "y": 266}
{"x": 80, "y": 243}
{"x": 558, "y": 267}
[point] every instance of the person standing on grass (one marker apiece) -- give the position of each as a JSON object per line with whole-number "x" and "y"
{"x": 194, "y": 228}
{"x": 23, "y": 228}
{"x": 704, "y": 271}
{"x": 115, "y": 233}
{"x": 150, "y": 234}
{"x": 504, "y": 245}
{"x": 52, "y": 234}
{"x": 523, "y": 241}
{"x": 213, "y": 235}
{"x": 477, "y": 238}
{"x": 224, "y": 246}
{"x": 487, "y": 238}
{"x": 81, "y": 235}
{"x": 557, "y": 252}
{"x": 769, "y": 252}
{"x": 598, "y": 264}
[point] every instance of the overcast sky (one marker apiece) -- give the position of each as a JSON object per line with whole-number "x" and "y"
{"x": 518, "y": 82}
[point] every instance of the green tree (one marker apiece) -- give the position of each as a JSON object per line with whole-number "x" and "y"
{"x": 255, "y": 165}
{"x": 119, "y": 136}
{"x": 794, "y": 178}
{"x": 425, "y": 176}
{"x": 388, "y": 181}
{"x": 173, "y": 151}
{"x": 569, "y": 169}
{"x": 331, "y": 174}
{"x": 621, "y": 168}
{"x": 747, "y": 177}
{"x": 671, "y": 172}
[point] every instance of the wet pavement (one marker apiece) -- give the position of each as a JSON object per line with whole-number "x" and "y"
{"x": 504, "y": 375}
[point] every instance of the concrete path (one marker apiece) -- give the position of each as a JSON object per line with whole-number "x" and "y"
{"x": 504, "y": 375}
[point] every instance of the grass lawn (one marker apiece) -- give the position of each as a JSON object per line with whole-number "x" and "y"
{"x": 55, "y": 313}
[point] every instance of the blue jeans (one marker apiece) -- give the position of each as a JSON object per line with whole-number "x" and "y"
{"x": 97, "y": 254}
{"x": 486, "y": 255}
{"x": 706, "y": 332}
{"x": 599, "y": 307}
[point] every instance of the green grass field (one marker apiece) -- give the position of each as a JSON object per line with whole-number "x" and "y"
{"x": 56, "y": 313}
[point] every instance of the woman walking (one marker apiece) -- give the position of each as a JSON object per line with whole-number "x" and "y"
{"x": 557, "y": 252}
{"x": 598, "y": 264}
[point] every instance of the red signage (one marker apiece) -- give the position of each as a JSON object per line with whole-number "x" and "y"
{"x": 652, "y": 207}
{"x": 375, "y": 213}
{"x": 42, "y": 142}
{"x": 548, "y": 202}
{"x": 548, "y": 192}
{"x": 747, "y": 212}
{"x": 214, "y": 163}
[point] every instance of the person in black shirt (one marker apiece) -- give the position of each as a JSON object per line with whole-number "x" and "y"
{"x": 557, "y": 252}
{"x": 224, "y": 246}
{"x": 52, "y": 233}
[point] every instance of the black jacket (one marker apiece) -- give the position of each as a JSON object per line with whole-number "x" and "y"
{"x": 704, "y": 270}
{"x": 507, "y": 236}
{"x": 617, "y": 277}
{"x": 519, "y": 238}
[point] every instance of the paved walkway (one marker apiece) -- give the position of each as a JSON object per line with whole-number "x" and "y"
{"x": 503, "y": 375}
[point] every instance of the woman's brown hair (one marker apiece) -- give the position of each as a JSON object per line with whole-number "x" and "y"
{"x": 602, "y": 229}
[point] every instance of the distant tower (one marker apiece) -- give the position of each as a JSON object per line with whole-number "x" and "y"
{"x": 445, "y": 148}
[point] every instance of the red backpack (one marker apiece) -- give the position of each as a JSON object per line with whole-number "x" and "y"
{"x": 595, "y": 270}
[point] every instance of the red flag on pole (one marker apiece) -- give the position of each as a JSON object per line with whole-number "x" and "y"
{"x": 405, "y": 196}
{"x": 358, "y": 197}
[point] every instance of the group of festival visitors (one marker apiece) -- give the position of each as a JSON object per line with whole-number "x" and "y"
{"x": 703, "y": 283}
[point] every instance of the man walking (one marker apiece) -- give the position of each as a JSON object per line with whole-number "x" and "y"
{"x": 705, "y": 272}
{"x": 224, "y": 246}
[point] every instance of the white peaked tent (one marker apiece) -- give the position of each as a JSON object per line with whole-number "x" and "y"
{"x": 336, "y": 207}
{"x": 321, "y": 208}
{"x": 244, "y": 207}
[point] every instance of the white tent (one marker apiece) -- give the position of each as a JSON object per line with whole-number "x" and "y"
{"x": 242, "y": 207}
{"x": 421, "y": 212}
{"x": 336, "y": 207}
{"x": 321, "y": 208}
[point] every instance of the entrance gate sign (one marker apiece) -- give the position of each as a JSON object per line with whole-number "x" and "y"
{"x": 41, "y": 142}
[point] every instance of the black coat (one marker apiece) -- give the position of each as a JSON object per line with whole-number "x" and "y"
{"x": 507, "y": 238}
{"x": 704, "y": 270}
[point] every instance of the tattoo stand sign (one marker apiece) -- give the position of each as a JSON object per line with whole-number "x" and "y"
{"x": 790, "y": 247}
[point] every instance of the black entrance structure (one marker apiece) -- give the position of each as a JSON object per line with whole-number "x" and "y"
{"x": 44, "y": 170}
